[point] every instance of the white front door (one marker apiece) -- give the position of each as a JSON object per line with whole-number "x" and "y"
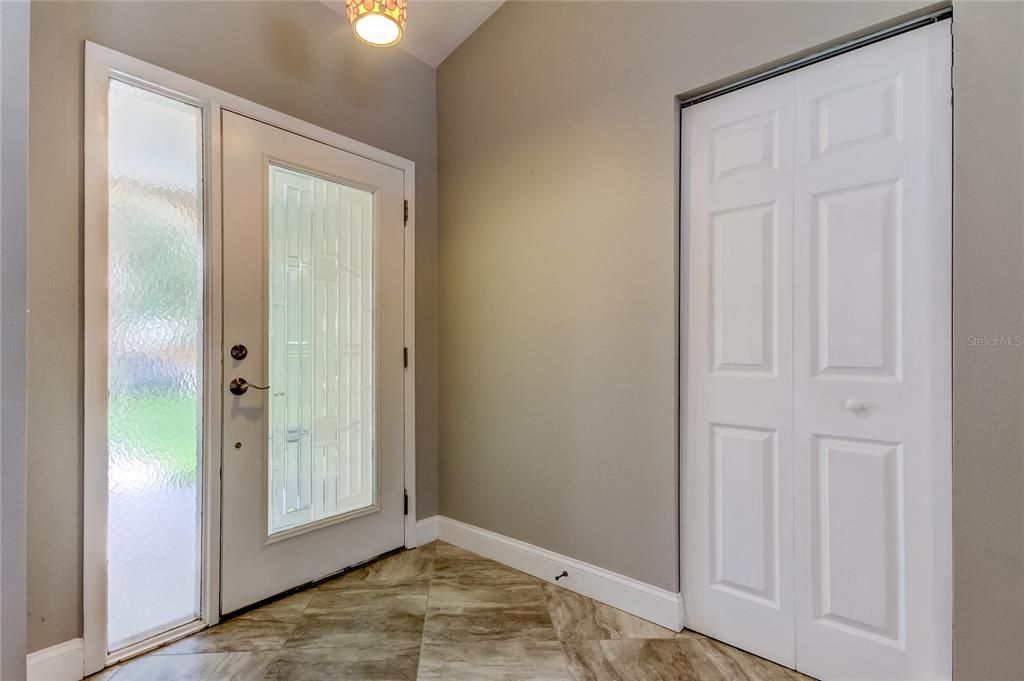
{"x": 313, "y": 406}
{"x": 817, "y": 463}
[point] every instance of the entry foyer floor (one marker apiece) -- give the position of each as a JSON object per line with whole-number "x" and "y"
{"x": 439, "y": 612}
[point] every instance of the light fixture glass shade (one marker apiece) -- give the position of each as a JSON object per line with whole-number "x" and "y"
{"x": 377, "y": 22}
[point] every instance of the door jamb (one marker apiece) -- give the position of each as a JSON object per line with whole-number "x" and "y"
{"x": 14, "y": 85}
{"x": 100, "y": 64}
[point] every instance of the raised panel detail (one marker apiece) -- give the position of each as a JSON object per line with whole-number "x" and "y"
{"x": 856, "y": 277}
{"x": 744, "y": 146}
{"x": 860, "y": 115}
{"x": 743, "y": 289}
{"x": 744, "y": 515}
{"x": 858, "y": 536}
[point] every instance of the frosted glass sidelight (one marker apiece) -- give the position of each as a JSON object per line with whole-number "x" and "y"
{"x": 155, "y": 228}
{"x": 322, "y": 405}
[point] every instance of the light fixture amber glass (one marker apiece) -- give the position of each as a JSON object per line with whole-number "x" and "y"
{"x": 377, "y": 22}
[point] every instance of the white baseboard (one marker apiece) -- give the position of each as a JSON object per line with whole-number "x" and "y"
{"x": 625, "y": 593}
{"x": 426, "y": 530}
{"x": 62, "y": 662}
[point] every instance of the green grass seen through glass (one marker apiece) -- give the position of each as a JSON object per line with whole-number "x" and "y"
{"x": 163, "y": 425}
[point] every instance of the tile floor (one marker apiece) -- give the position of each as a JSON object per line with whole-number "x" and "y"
{"x": 439, "y": 612}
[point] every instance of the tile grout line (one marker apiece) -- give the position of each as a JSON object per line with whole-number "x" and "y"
{"x": 569, "y": 637}
{"x": 558, "y": 633}
{"x": 426, "y": 609}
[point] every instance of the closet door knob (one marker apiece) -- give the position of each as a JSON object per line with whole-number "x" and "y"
{"x": 853, "y": 405}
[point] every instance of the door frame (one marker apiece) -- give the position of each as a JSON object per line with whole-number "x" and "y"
{"x": 14, "y": 84}
{"x": 869, "y": 35}
{"x": 100, "y": 64}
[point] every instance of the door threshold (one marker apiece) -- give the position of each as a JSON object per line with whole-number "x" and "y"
{"x": 309, "y": 585}
{"x": 153, "y": 642}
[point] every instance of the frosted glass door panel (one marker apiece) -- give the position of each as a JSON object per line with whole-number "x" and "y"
{"x": 322, "y": 405}
{"x": 154, "y": 369}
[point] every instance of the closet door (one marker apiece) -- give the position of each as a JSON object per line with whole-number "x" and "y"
{"x": 737, "y": 467}
{"x": 872, "y": 429}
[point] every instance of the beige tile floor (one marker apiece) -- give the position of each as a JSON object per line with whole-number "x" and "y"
{"x": 439, "y": 612}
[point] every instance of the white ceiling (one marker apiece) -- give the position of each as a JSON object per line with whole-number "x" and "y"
{"x": 436, "y": 27}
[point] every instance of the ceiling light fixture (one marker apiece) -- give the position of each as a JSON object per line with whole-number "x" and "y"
{"x": 377, "y": 22}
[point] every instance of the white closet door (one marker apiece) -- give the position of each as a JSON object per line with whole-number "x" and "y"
{"x": 873, "y": 285}
{"x": 737, "y": 494}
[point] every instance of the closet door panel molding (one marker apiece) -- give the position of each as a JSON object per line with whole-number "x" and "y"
{"x": 738, "y": 432}
{"x": 872, "y": 383}
{"x": 817, "y": 412}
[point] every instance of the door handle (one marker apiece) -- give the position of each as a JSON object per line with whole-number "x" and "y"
{"x": 239, "y": 386}
{"x": 853, "y": 405}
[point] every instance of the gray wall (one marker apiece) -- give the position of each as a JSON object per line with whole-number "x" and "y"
{"x": 558, "y": 166}
{"x": 297, "y": 57}
{"x": 14, "y": 36}
{"x": 988, "y": 300}
{"x": 558, "y": 172}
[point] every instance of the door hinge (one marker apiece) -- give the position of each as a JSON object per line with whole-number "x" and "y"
{"x": 406, "y": 507}
{"x": 406, "y": 218}
{"x": 405, "y": 358}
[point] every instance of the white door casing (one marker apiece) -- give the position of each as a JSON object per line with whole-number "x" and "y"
{"x": 738, "y": 585}
{"x": 257, "y": 562}
{"x": 101, "y": 64}
{"x": 857, "y": 425}
{"x": 873, "y": 376}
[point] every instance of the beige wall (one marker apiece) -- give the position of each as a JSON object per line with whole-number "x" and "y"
{"x": 558, "y": 173}
{"x": 557, "y": 141}
{"x": 988, "y": 300}
{"x": 296, "y": 57}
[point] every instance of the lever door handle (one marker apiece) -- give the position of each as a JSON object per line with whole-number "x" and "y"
{"x": 239, "y": 386}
